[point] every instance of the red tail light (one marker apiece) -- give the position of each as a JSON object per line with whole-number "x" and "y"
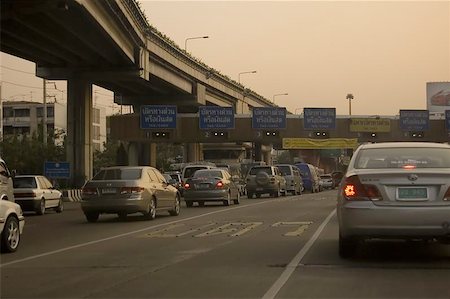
{"x": 21, "y": 195}
{"x": 187, "y": 186}
{"x": 130, "y": 190}
{"x": 219, "y": 185}
{"x": 408, "y": 166}
{"x": 88, "y": 191}
{"x": 353, "y": 189}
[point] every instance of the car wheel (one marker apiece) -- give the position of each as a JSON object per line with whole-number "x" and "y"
{"x": 189, "y": 204}
{"x": 238, "y": 199}
{"x": 11, "y": 235}
{"x": 92, "y": 216}
{"x": 150, "y": 214}
{"x": 347, "y": 246}
{"x": 176, "y": 207}
{"x": 249, "y": 195}
{"x": 122, "y": 215}
{"x": 41, "y": 208}
{"x": 60, "y": 206}
{"x": 227, "y": 201}
{"x": 201, "y": 203}
{"x": 276, "y": 193}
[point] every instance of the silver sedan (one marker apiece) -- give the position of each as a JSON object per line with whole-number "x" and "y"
{"x": 395, "y": 190}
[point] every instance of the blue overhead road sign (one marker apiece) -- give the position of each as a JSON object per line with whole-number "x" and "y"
{"x": 158, "y": 117}
{"x": 57, "y": 170}
{"x": 215, "y": 117}
{"x": 268, "y": 118}
{"x": 319, "y": 118}
{"x": 414, "y": 120}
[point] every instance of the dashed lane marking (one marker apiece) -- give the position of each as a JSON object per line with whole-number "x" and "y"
{"x": 236, "y": 229}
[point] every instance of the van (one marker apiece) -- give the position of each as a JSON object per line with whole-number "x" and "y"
{"x": 294, "y": 181}
{"x": 189, "y": 170}
{"x": 311, "y": 180}
{"x": 6, "y": 182}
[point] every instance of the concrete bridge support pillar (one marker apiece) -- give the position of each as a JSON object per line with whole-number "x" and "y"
{"x": 142, "y": 154}
{"x": 267, "y": 157}
{"x": 79, "y": 130}
{"x": 257, "y": 151}
{"x": 133, "y": 154}
{"x": 193, "y": 152}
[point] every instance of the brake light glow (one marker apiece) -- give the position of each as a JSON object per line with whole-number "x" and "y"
{"x": 408, "y": 166}
{"x": 187, "y": 186}
{"x": 219, "y": 185}
{"x": 131, "y": 190}
{"x": 353, "y": 189}
{"x": 88, "y": 191}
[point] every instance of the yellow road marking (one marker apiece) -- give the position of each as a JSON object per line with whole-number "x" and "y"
{"x": 303, "y": 225}
{"x": 230, "y": 228}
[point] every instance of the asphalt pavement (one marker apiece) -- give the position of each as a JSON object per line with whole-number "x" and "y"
{"x": 263, "y": 248}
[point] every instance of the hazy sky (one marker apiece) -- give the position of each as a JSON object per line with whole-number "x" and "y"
{"x": 317, "y": 51}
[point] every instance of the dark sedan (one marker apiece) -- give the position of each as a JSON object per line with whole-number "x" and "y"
{"x": 211, "y": 185}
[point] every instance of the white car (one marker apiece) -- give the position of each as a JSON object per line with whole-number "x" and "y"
{"x": 397, "y": 190}
{"x": 36, "y": 193}
{"x": 11, "y": 225}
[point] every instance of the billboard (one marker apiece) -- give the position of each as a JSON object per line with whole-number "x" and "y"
{"x": 438, "y": 96}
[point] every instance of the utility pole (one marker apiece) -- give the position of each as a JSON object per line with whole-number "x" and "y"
{"x": 44, "y": 126}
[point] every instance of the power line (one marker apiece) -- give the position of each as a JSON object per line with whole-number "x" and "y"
{"x": 28, "y": 86}
{"x": 13, "y": 69}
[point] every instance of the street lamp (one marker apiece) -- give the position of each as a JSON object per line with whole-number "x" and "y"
{"x": 278, "y": 94}
{"x": 349, "y": 98}
{"x": 189, "y": 38}
{"x": 249, "y": 72}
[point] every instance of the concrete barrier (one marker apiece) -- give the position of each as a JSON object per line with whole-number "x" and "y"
{"x": 73, "y": 195}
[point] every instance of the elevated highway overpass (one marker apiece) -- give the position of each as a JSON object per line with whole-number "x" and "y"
{"x": 109, "y": 43}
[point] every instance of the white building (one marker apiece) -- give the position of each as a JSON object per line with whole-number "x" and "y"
{"x": 24, "y": 118}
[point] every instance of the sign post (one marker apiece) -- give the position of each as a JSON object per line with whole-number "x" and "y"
{"x": 319, "y": 118}
{"x": 57, "y": 170}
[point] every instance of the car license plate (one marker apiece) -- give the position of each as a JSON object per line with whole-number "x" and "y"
{"x": 203, "y": 186}
{"x": 109, "y": 191}
{"x": 412, "y": 193}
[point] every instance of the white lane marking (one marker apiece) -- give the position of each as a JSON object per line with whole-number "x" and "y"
{"x": 276, "y": 287}
{"x": 127, "y": 234}
{"x": 238, "y": 228}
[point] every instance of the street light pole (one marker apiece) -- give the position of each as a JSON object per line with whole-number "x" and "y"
{"x": 349, "y": 98}
{"x": 278, "y": 94}
{"x": 249, "y": 72}
{"x": 189, "y": 38}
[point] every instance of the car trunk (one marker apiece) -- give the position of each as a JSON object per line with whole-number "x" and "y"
{"x": 418, "y": 187}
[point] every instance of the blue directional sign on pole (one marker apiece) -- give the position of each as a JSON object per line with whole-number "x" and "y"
{"x": 447, "y": 119}
{"x": 215, "y": 117}
{"x": 57, "y": 170}
{"x": 269, "y": 118}
{"x": 158, "y": 117}
{"x": 319, "y": 118}
{"x": 414, "y": 120}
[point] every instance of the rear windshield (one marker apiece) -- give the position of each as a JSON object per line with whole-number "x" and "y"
{"x": 189, "y": 171}
{"x": 118, "y": 174}
{"x": 208, "y": 174}
{"x": 255, "y": 170}
{"x": 379, "y": 158}
{"x": 29, "y": 182}
{"x": 285, "y": 170}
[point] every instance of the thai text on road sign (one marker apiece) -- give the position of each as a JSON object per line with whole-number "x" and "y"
{"x": 268, "y": 118}
{"x": 414, "y": 120}
{"x": 319, "y": 118}
{"x": 214, "y": 117}
{"x": 158, "y": 117}
{"x": 370, "y": 125}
